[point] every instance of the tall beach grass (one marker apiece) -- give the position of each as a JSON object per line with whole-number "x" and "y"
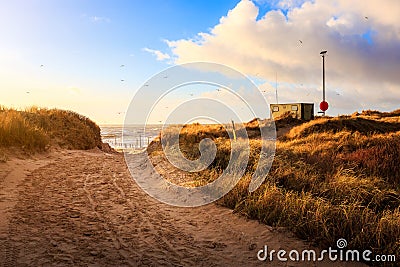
{"x": 331, "y": 178}
{"x": 35, "y": 129}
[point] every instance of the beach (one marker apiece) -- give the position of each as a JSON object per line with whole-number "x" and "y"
{"x": 82, "y": 208}
{"x": 200, "y": 133}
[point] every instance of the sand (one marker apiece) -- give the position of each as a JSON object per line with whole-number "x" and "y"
{"x": 82, "y": 208}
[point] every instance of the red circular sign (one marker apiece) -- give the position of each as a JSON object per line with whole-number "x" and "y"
{"x": 324, "y": 106}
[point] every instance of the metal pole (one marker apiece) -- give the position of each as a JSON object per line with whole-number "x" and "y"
{"x": 323, "y": 77}
{"x": 276, "y": 87}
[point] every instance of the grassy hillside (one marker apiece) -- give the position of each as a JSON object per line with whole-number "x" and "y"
{"x": 36, "y": 129}
{"x": 331, "y": 178}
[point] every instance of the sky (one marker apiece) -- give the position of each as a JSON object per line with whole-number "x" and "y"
{"x": 92, "y": 56}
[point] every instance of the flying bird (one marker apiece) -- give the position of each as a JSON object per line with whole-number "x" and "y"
{"x": 301, "y": 41}
{"x": 146, "y": 85}
{"x": 28, "y": 92}
{"x": 41, "y": 65}
{"x": 366, "y": 17}
{"x": 219, "y": 90}
{"x": 165, "y": 77}
{"x": 122, "y": 65}
{"x": 122, "y": 80}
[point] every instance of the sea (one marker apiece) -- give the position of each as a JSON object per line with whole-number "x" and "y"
{"x": 122, "y": 137}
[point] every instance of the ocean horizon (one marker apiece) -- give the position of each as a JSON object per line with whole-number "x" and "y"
{"x": 134, "y": 136}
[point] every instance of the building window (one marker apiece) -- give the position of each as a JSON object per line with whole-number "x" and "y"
{"x": 275, "y": 108}
{"x": 295, "y": 108}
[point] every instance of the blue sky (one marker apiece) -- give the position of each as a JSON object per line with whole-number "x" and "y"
{"x": 82, "y": 44}
{"x": 91, "y": 56}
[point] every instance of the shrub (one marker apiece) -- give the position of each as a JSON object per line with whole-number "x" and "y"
{"x": 36, "y": 128}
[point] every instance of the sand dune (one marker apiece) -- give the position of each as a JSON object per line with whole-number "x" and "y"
{"x": 82, "y": 208}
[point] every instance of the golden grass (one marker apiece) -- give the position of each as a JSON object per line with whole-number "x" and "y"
{"x": 331, "y": 178}
{"x": 35, "y": 129}
{"x": 344, "y": 123}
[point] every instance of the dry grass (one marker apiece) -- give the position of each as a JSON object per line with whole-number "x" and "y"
{"x": 344, "y": 123}
{"x": 35, "y": 129}
{"x": 379, "y": 114}
{"x": 331, "y": 178}
{"x": 3, "y": 156}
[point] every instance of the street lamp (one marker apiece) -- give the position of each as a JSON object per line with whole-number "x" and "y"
{"x": 323, "y": 105}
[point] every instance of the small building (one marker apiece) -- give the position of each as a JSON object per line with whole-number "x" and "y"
{"x": 302, "y": 111}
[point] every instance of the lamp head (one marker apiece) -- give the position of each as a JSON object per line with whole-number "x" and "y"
{"x": 323, "y": 52}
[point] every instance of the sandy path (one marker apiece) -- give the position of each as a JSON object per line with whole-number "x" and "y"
{"x": 84, "y": 209}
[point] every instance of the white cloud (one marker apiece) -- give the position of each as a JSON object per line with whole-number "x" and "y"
{"x": 98, "y": 19}
{"x": 362, "y": 39}
{"x": 289, "y": 4}
{"x": 159, "y": 55}
{"x": 283, "y": 4}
